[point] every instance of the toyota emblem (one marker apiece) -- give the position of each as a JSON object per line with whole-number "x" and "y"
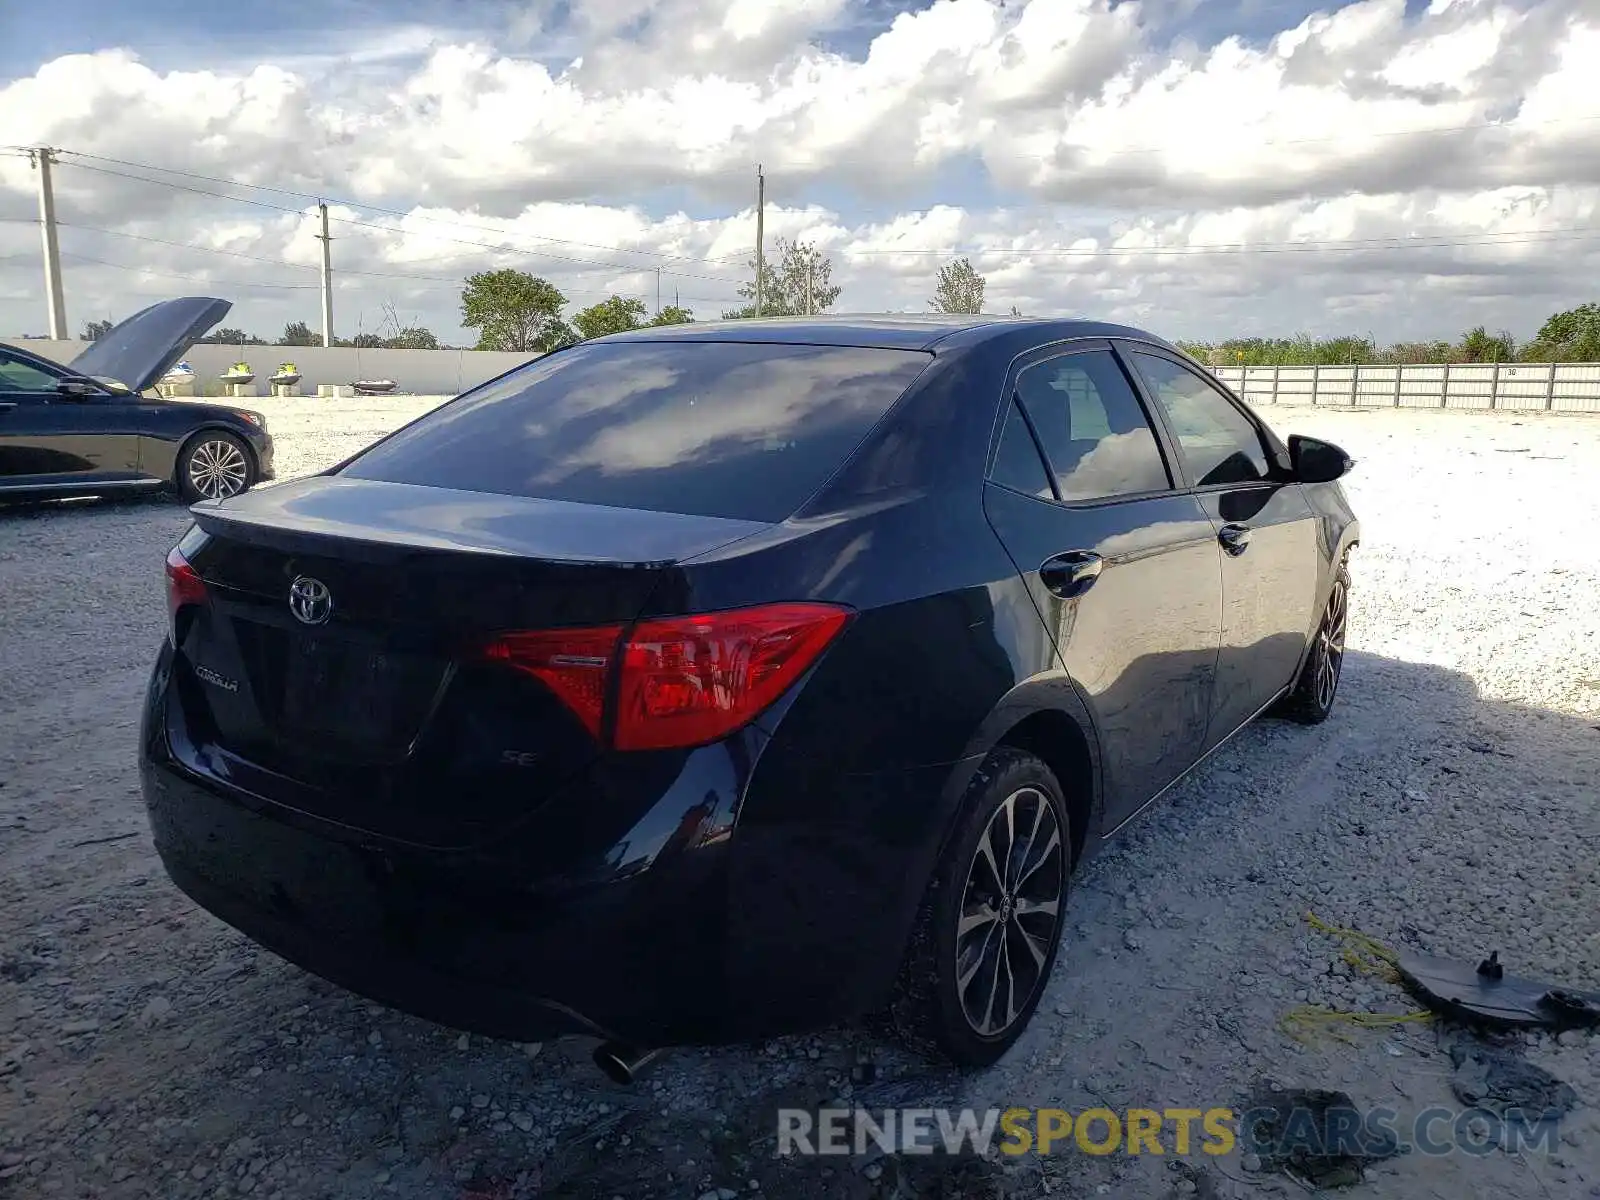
{"x": 310, "y": 601}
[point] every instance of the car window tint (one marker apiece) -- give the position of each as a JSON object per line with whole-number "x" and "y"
{"x": 1219, "y": 443}
{"x": 707, "y": 428}
{"x": 17, "y": 376}
{"x": 1017, "y": 464}
{"x": 1094, "y": 431}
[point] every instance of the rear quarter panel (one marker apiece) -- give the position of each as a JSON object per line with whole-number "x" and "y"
{"x": 851, "y": 800}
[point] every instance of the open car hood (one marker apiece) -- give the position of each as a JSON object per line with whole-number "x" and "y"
{"x": 138, "y": 352}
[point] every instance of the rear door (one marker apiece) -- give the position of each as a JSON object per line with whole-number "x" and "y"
{"x": 1265, "y": 528}
{"x": 1121, "y": 561}
{"x": 51, "y": 440}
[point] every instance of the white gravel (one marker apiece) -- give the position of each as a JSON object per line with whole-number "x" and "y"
{"x": 1450, "y": 805}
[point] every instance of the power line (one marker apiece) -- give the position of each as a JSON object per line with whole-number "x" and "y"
{"x": 1506, "y": 237}
{"x": 187, "y": 278}
{"x": 455, "y": 281}
{"x": 407, "y": 216}
{"x": 144, "y": 237}
{"x": 182, "y": 187}
{"x": 1516, "y": 237}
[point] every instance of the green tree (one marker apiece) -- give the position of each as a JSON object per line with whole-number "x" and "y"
{"x": 772, "y": 303}
{"x": 298, "y": 333}
{"x": 413, "y": 337}
{"x": 514, "y": 310}
{"x": 960, "y": 289}
{"x": 614, "y": 315}
{"x": 95, "y": 330}
{"x": 228, "y": 336}
{"x": 1571, "y": 336}
{"x": 1480, "y": 346}
{"x": 672, "y": 315}
{"x": 800, "y": 283}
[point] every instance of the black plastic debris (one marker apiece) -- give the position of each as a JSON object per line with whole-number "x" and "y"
{"x": 1486, "y": 995}
{"x": 1506, "y": 1084}
{"x": 1317, "y": 1137}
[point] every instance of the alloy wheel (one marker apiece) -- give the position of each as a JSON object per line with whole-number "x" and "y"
{"x": 218, "y": 469}
{"x": 1010, "y": 911}
{"x": 1330, "y": 646}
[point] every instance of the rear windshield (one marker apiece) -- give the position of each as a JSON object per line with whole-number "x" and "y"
{"x": 720, "y": 429}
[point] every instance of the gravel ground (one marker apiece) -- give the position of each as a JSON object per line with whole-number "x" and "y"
{"x": 148, "y": 1051}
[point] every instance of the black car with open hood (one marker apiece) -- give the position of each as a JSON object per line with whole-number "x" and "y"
{"x": 92, "y": 426}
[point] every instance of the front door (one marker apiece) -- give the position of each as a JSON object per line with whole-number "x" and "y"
{"x": 1268, "y": 533}
{"x": 1122, "y": 564}
{"x": 51, "y": 440}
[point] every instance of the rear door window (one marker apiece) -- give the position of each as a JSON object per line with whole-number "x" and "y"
{"x": 1092, "y": 428}
{"x": 1017, "y": 464}
{"x": 723, "y": 429}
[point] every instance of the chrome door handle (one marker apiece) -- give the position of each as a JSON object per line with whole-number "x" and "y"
{"x": 1071, "y": 574}
{"x": 1235, "y": 539}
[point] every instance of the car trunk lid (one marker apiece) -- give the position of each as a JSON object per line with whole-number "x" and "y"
{"x": 340, "y": 652}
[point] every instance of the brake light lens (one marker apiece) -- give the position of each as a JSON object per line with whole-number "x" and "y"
{"x": 184, "y": 587}
{"x": 572, "y": 663}
{"x": 680, "y": 681}
{"x": 686, "y": 681}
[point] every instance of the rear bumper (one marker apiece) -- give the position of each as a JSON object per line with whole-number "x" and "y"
{"x": 395, "y": 980}
{"x": 746, "y": 924}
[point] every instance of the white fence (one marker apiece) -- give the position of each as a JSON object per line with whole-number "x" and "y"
{"x": 1510, "y": 387}
{"x": 423, "y": 372}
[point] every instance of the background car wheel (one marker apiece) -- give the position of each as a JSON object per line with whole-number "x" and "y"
{"x": 1312, "y": 698}
{"x": 214, "y": 465}
{"x": 990, "y": 925}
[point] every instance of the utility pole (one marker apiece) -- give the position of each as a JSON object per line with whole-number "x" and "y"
{"x": 327, "y": 277}
{"x": 658, "y": 291}
{"x": 810, "y": 306}
{"x": 42, "y": 158}
{"x": 761, "y": 215}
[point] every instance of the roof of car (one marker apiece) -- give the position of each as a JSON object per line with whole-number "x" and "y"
{"x": 897, "y": 331}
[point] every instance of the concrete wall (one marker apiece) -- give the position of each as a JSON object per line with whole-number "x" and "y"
{"x": 423, "y": 372}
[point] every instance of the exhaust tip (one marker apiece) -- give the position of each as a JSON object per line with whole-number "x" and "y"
{"x": 622, "y": 1063}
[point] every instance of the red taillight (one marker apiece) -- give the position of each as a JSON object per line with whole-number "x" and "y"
{"x": 184, "y": 587}
{"x": 570, "y": 662}
{"x": 681, "y": 681}
{"x": 690, "y": 680}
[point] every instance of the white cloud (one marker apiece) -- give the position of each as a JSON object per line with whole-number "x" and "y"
{"x": 1086, "y": 162}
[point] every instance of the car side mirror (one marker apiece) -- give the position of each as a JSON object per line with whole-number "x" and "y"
{"x": 72, "y": 388}
{"x": 1317, "y": 461}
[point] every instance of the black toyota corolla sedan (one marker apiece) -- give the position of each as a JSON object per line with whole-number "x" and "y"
{"x": 709, "y": 683}
{"x": 93, "y": 427}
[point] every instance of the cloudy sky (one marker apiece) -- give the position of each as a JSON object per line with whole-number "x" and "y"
{"x": 1207, "y": 168}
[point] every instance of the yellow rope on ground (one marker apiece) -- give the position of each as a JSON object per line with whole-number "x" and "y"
{"x": 1363, "y": 953}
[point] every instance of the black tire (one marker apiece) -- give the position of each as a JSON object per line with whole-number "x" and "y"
{"x": 1311, "y": 699}
{"x": 213, "y": 465}
{"x": 948, "y": 976}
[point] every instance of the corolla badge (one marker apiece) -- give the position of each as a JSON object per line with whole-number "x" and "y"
{"x": 310, "y": 601}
